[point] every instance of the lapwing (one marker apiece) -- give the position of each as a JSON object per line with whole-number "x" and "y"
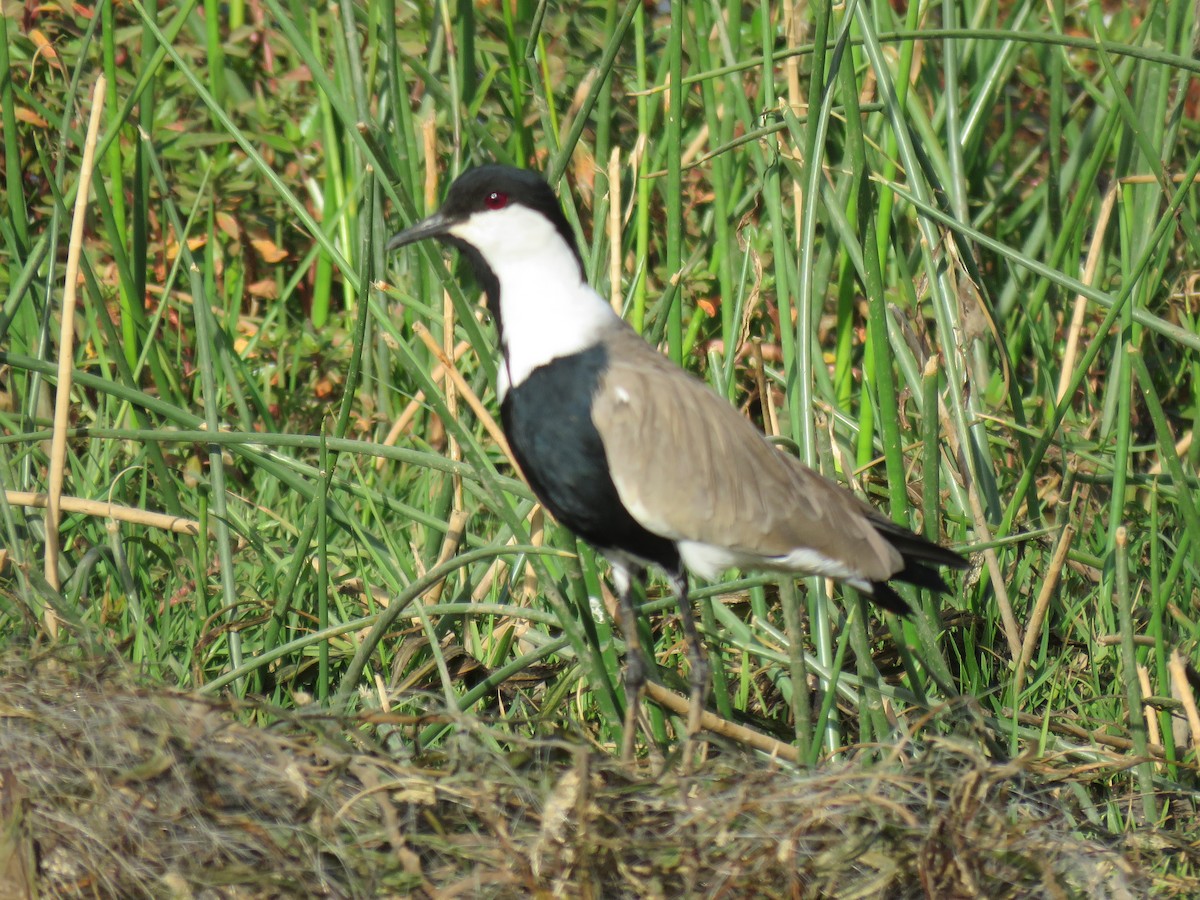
{"x": 635, "y": 455}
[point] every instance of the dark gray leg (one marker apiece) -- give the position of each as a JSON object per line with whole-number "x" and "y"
{"x": 697, "y": 662}
{"x": 624, "y": 577}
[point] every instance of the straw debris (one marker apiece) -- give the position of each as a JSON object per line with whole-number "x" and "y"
{"x": 122, "y": 790}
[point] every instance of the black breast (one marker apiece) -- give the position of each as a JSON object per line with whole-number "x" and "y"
{"x": 547, "y": 419}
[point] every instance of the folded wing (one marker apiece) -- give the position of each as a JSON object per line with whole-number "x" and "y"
{"x": 690, "y": 468}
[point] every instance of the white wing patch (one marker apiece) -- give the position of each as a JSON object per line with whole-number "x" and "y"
{"x": 709, "y": 561}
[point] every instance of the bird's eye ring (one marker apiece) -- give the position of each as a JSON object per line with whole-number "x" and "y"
{"x": 496, "y": 200}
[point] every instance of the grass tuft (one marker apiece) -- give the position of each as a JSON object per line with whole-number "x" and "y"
{"x": 946, "y": 253}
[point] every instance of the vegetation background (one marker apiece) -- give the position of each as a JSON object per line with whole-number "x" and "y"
{"x": 946, "y": 252}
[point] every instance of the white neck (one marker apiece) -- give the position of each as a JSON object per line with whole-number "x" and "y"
{"x": 547, "y": 310}
{"x": 545, "y": 320}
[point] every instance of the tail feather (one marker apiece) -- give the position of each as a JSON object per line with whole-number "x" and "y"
{"x": 921, "y": 556}
{"x": 915, "y": 548}
{"x": 922, "y": 576}
{"x": 883, "y": 595}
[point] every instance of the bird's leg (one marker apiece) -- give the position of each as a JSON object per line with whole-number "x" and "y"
{"x": 697, "y": 662}
{"x": 635, "y": 662}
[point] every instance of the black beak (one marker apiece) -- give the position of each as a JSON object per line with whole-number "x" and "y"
{"x": 435, "y": 226}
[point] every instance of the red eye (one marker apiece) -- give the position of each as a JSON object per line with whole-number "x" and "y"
{"x": 496, "y": 200}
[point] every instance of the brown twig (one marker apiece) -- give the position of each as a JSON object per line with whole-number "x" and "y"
{"x": 713, "y": 723}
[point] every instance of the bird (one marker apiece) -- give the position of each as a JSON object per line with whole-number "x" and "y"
{"x": 635, "y": 455}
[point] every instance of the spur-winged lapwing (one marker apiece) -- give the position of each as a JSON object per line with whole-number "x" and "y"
{"x": 636, "y": 456}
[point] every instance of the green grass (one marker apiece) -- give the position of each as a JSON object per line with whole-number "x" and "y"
{"x": 895, "y": 212}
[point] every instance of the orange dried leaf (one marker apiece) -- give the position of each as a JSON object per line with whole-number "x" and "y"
{"x": 29, "y": 117}
{"x": 44, "y": 47}
{"x": 194, "y": 244}
{"x": 268, "y": 250}
{"x": 229, "y": 225}
{"x": 264, "y": 289}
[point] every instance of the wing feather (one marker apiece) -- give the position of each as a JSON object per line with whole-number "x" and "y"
{"x": 689, "y": 467}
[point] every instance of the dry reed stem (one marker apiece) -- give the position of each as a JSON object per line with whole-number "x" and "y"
{"x": 66, "y": 351}
{"x": 614, "y": 231}
{"x": 1089, "y": 277}
{"x": 1012, "y": 631}
{"x": 1034, "y": 627}
{"x": 465, "y": 391}
{"x": 1148, "y": 711}
{"x": 711, "y": 722}
{"x": 456, "y": 529}
{"x": 106, "y": 510}
{"x": 410, "y": 411}
{"x": 1183, "y": 692}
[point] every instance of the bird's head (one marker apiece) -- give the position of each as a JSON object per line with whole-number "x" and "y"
{"x": 500, "y": 217}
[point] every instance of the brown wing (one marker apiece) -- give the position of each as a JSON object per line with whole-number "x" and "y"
{"x": 689, "y": 467}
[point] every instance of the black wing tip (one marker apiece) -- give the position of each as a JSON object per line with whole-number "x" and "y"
{"x": 883, "y": 595}
{"x": 941, "y": 556}
{"x": 916, "y": 548}
{"x": 921, "y": 557}
{"x": 923, "y": 577}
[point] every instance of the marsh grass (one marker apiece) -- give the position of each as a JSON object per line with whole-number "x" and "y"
{"x": 948, "y": 256}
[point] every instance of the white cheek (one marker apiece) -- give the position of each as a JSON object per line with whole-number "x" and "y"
{"x": 510, "y": 233}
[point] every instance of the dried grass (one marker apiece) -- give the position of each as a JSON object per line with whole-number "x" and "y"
{"x": 130, "y": 791}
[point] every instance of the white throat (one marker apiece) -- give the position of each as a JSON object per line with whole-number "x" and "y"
{"x": 547, "y": 310}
